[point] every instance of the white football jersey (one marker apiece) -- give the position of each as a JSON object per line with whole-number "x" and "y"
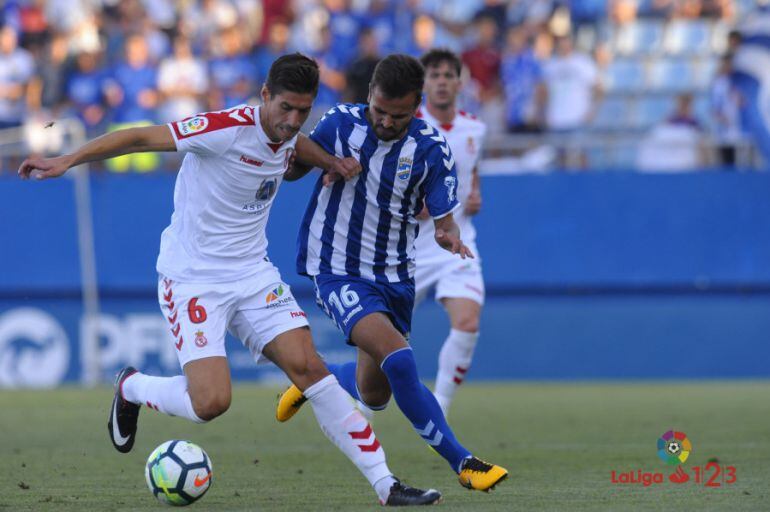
{"x": 222, "y": 198}
{"x": 465, "y": 136}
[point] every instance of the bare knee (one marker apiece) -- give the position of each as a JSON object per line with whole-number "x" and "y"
{"x": 466, "y": 322}
{"x": 210, "y": 405}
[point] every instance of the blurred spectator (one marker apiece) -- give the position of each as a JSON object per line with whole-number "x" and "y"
{"x": 274, "y": 12}
{"x": 483, "y": 59}
{"x": 344, "y": 27}
{"x": 16, "y": 70}
{"x": 182, "y": 82}
{"x": 33, "y": 24}
{"x": 381, "y": 19}
{"x": 277, "y": 45}
{"x": 529, "y": 12}
{"x": 360, "y": 72}
{"x": 725, "y": 108}
{"x": 734, "y": 38}
{"x": 46, "y": 90}
{"x": 84, "y": 87}
{"x": 572, "y": 82}
{"x": 423, "y": 36}
{"x": 587, "y": 12}
{"x": 331, "y": 74}
{"x": 624, "y": 11}
{"x": 132, "y": 95}
{"x": 675, "y": 144}
{"x": 522, "y": 76}
{"x": 483, "y": 62}
{"x": 233, "y": 77}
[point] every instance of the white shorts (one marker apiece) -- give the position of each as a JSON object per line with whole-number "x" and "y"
{"x": 460, "y": 280}
{"x": 254, "y": 310}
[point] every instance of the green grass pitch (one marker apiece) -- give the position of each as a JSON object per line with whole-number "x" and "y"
{"x": 559, "y": 441}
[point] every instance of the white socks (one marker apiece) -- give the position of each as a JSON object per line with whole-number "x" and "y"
{"x": 164, "y": 394}
{"x": 344, "y": 425}
{"x": 453, "y": 363}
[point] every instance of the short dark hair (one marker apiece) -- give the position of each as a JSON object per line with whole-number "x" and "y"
{"x": 398, "y": 75}
{"x": 436, "y": 56}
{"x": 293, "y": 72}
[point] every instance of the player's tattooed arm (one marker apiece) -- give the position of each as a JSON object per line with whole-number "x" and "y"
{"x": 310, "y": 155}
{"x": 121, "y": 142}
{"x": 448, "y": 236}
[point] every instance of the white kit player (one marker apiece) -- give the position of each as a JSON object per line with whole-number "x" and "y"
{"x": 458, "y": 284}
{"x": 214, "y": 275}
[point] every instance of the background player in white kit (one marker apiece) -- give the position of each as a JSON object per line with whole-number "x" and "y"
{"x": 214, "y": 274}
{"x": 458, "y": 284}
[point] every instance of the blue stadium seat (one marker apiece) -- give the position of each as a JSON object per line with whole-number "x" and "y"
{"x": 687, "y": 37}
{"x": 705, "y": 71}
{"x": 671, "y": 74}
{"x": 652, "y": 109}
{"x": 615, "y": 111}
{"x": 625, "y": 75}
{"x": 638, "y": 38}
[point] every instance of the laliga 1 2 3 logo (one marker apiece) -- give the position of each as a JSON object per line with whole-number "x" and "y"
{"x": 674, "y": 449}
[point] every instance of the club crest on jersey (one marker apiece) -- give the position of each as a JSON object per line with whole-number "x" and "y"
{"x": 193, "y": 125}
{"x": 451, "y": 185}
{"x": 404, "y": 168}
{"x": 200, "y": 339}
{"x": 265, "y": 192}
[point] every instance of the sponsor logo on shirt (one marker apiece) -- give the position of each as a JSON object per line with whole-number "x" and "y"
{"x": 251, "y": 161}
{"x": 404, "y": 168}
{"x": 264, "y": 194}
{"x": 193, "y": 125}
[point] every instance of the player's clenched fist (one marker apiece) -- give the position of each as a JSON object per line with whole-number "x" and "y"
{"x": 45, "y": 167}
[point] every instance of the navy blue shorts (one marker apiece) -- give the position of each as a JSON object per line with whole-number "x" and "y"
{"x": 348, "y": 299}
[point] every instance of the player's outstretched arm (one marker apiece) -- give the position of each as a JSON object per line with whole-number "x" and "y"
{"x": 121, "y": 142}
{"x": 448, "y": 236}
{"x": 310, "y": 155}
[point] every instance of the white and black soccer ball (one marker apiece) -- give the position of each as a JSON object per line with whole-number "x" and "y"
{"x": 178, "y": 472}
{"x": 673, "y": 447}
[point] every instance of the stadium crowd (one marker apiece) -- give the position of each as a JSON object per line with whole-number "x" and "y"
{"x": 531, "y": 66}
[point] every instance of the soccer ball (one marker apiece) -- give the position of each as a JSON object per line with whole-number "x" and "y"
{"x": 178, "y": 472}
{"x": 673, "y": 447}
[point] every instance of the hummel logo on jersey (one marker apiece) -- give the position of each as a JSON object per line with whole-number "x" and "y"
{"x": 251, "y": 161}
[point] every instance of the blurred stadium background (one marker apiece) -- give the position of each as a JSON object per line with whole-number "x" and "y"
{"x": 624, "y": 232}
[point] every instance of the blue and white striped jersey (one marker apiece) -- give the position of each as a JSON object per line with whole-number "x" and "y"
{"x": 365, "y": 227}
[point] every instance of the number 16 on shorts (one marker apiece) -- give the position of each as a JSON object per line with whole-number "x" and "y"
{"x": 339, "y": 300}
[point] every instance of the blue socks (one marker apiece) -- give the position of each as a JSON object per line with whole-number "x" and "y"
{"x": 418, "y": 404}
{"x": 346, "y": 376}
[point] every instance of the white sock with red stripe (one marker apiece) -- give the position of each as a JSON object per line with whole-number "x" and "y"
{"x": 346, "y": 427}
{"x": 164, "y": 394}
{"x": 453, "y": 363}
